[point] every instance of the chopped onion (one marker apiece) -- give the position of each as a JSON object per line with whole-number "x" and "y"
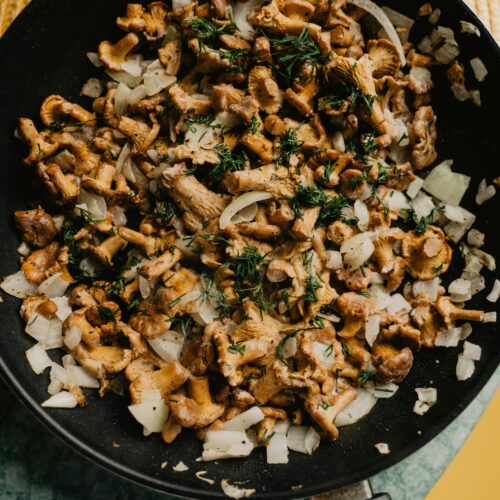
{"x": 466, "y": 330}
{"x": 132, "y": 65}
{"x": 226, "y": 444}
{"x": 448, "y": 338}
{"x": 302, "y": 439}
{"x": 152, "y": 416}
{"x": 460, "y": 290}
{"x": 398, "y": 305}
{"x": 156, "y": 78}
{"x": 425, "y": 45}
{"x": 94, "y": 59}
{"x": 472, "y": 351}
{"x": 23, "y": 249}
{"x": 145, "y": 287}
{"x": 490, "y": 317}
{"x": 333, "y": 259}
{"x": 54, "y": 286}
{"x": 485, "y": 193}
{"x": 495, "y": 292}
{"x": 94, "y": 204}
{"x": 384, "y": 21}
{"x": 121, "y": 99}
{"x": 241, "y": 11}
{"x": 372, "y": 328}
{"x": 168, "y": 345}
{"x": 398, "y": 19}
{"x": 125, "y": 78}
{"x": 282, "y": 426}
{"x": 357, "y": 409}
{"x": 58, "y": 379}
{"x": 447, "y": 53}
{"x": 277, "y": 449}
{"x": 244, "y": 420}
{"x": 92, "y": 88}
{"x": 396, "y": 200}
{"x": 122, "y": 157}
{"x": 357, "y": 250}
{"x": 382, "y": 391}
{"x": 427, "y": 395}
{"x": 421, "y": 80}
{"x": 63, "y": 399}
{"x": 330, "y": 317}
{"x": 312, "y": 440}
{"x": 18, "y": 286}
{"x": 72, "y": 337}
{"x": 47, "y": 332}
{"x": 180, "y": 467}
{"x": 232, "y": 491}
{"x": 465, "y": 368}
{"x": 469, "y": 28}
{"x": 480, "y": 71}
{"x": 239, "y": 204}
{"x": 136, "y": 95}
{"x": 414, "y": 187}
{"x": 475, "y": 238}
{"x": 63, "y": 307}
{"x": 338, "y": 142}
{"x": 38, "y": 358}
{"x": 324, "y": 354}
{"x": 383, "y": 448}
{"x": 422, "y": 205}
{"x": 429, "y": 287}
{"x": 420, "y": 408}
{"x": 79, "y": 376}
{"x": 446, "y": 185}
{"x": 361, "y": 212}
{"x": 187, "y": 246}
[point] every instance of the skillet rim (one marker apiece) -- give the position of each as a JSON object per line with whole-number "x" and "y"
{"x": 166, "y": 486}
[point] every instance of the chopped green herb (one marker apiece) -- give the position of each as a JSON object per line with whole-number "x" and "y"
{"x": 312, "y": 281}
{"x": 266, "y": 437}
{"x": 328, "y": 171}
{"x": 237, "y": 348}
{"x": 106, "y": 314}
{"x": 255, "y": 125}
{"x": 329, "y": 351}
{"x": 345, "y": 351}
{"x": 208, "y": 32}
{"x": 228, "y": 162}
{"x": 289, "y": 145}
{"x": 292, "y": 333}
{"x": 325, "y": 406}
{"x": 164, "y": 210}
{"x": 365, "y": 376}
{"x": 364, "y": 293}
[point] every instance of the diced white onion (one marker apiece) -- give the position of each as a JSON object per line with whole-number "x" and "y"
{"x": 302, "y": 439}
{"x": 324, "y": 353}
{"x": 156, "y": 78}
{"x": 448, "y": 338}
{"x": 357, "y": 250}
{"x": 447, "y": 53}
{"x": 398, "y": 305}
{"x": 384, "y": 21}
{"x": 383, "y": 448}
{"x": 430, "y": 287}
{"x": 372, "y": 328}
{"x": 363, "y": 215}
{"x": 427, "y": 395}
{"x": 475, "y": 238}
{"x": 239, "y": 204}
{"x": 23, "y": 249}
{"x": 289, "y": 347}
{"x": 63, "y": 307}
{"x": 121, "y": 99}
{"x": 244, "y": 420}
{"x": 58, "y": 379}
{"x": 480, "y": 71}
{"x": 460, "y": 290}
{"x": 485, "y": 193}
{"x": 333, "y": 259}
{"x": 465, "y": 368}
{"x": 94, "y": 204}
{"x": 490, "y": 317}
{"x": 168, "y": 346}
{"x": 47, "y": 332}
{"x": 180, "y": 467}
{"x": 226, "y": 444}
{"x": 420, "y": 408}
{"x": 396, "y": 200}
{"x": 122, "y": 157}
{"x": 423, "y": 205}
{"x": 357, "y": 409}
{"x": 79, "y": 376}
{"x": 92, "y": 88}
{"x": 446, "y": 185}
{"x": 152, "y": 416}
{"x": 18, "y": 286}
{"x": 38, "y": 358}
{"x": 277, "y": 449}
{"x": 472, "y": 351}
{"x": 469, "y": 28}
{"x": 241, "y": 11}
{"x": 495, "y": 292}
{"x": 421, "y": 81}
{"x": 63, "y": 399}
{"x": 466, "y": 330}
{"x": 125, "y": 78}
{"x": 54, "y": 286}
{"x": 72, "y": 337}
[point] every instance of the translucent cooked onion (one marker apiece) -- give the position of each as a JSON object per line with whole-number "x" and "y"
{"x": 398, "y": 304}
{"x": 429, "y": 287}
{"x": 338, "y": 142}
{"x": 324, "y": 353}
{"x": 446, "y": 185}
{"x": 121, "y": 99}
{"x": 18, "y": 286}
{"x": 79, "y": 376}
{"x": 448, "y": 338}
{"x": 53, "y": 286}
{"x": 239, "y": 204}
{"x": 72, "y": 337}
{"x": 361, "y": 212}
{"x": 495, "y": 292}
{"x": 47, "y": 332}
{"x": 38, "y": 358}
{"x": 95, "y": 205}
{"x": 63, "y": 399}
{"x": 480, "y": 71}
{"x": 469, "y": 28}
{"x": 226, "y": 444}
{"x": 124, "y": 77}
{"x": 382, "y": 391}
{"x": 465, "y": 368}
{"x": 475, "y": 238}
{"x": 396, "y": 201}
{"x": 427, "y": 395}
{"x": 244, "y": 420}
{"x": 485, "y": 193}
{"x": 302, "y": 439}
{"x": 92, "y": 88}
{"x": 277, "y": 449}
{"x": 241, "y": 11}
{"x": 472, "y": 351}
{"x": 152, "y": 416}
{"x": 58, "y": 379}
{"x": 357, "y": 250}
{"x": 372, "y": 328}
{"x": 384, "y": 21}
{"x": 168, "y": 345}
{"x": 94, "y": 59}
{"x": 422, "y": 205}
{"x": 63, "y": 307}
{"x": 356, "y": 410}
{"x": 122, "y": 157}
{"x": 447, "y": 53}
{"x": 333, "y": 259}
{"x": 156, "y": 79}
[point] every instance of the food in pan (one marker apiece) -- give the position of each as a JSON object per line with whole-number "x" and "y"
{"x": 247, "y": 231}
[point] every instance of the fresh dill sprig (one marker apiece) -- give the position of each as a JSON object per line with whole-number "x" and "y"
{"x": 211, "y": 292}
{"x": 206, "y": 120}
{"x": 164, "y": 210}
{"x": 237, "y": 348}
{"x": 255, "y": 125}
{"x": 228, "y": 162}
{"x": 106, "y": 314}
{"x": 292, "y": 333}
{"x": 312, "y": 281}
{"x": 332, "y": 210}
{"x": 208, "y": 32}
{"x": 307, "y": 196}
{"x": 289, "y": 145}
{"x": 364, "y": 376}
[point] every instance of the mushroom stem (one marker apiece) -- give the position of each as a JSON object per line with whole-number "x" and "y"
{"x": 105, "y": 252}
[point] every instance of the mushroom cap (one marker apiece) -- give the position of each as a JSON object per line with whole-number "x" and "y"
{"x": 427, "y": 255}
{"x": 114, "y": 55}
{"x": 50, "y": 108}
{"x": 263, "y": 87}
{"x": 393, "y": 365}
{"x": 384, "y": 58}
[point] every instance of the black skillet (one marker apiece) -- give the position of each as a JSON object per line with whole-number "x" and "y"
{"x": 44, "y": 53}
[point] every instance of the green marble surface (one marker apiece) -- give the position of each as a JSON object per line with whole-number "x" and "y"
{"x": 34, "y": 464}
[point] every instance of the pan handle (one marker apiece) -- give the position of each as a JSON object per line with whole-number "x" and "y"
{"x": 358, "y": 491}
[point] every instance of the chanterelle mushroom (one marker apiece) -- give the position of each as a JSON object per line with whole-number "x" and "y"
{"x": 114, "y": 55}
{"x": 355, "y": 310}
{"x": 37, "y": 226}
{"x": 264, "y": 89}
{"x": 427, "y": 255}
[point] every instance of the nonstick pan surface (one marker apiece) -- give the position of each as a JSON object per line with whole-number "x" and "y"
{"x": 44, "y": 53}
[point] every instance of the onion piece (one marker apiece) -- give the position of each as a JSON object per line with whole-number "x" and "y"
{"x": 168, "y": 345}
{"x": 382, "y": 391}
{"x": 63, "y": 308}
{"x": 490, "y": 317}
{"x": 480, "y": 71}
{"x": 429, "y": 287}
{"x": 72, "y": 337}
{"x": 333, "y": 259}
{"x": 152, "y": 416}
{"x": 244, "y": 420}
{"x": 495, "y": 292}
{"x": 361, "y": 212}
{"x": 63, "y": 399}
{"x": 18, "y": 286}
{"x": 372, "y": 328}
{"x": 277, "y": 449}
{"x": 422, "y": 205}
{"x": 125, "y": 78}
{"x": 465, "y": 331}
{"x": 427, "y": 395}
{"x": 420, "y": 408}
{"x": 472, "y": 351}
{"x": 446, "y": 185}
{"x": 47, "y": 332}
{"x": 94, "y": 204}
{"x": 289, "y": 348}
{"x": 241, "y": 11}
{"x": 357, "y": 250}
{"x": 226, "y": 444}
{"x": 92, "y": 88}
{"x": 398, "y": 305}
{"x": 94, "y": 59}
{"x": 460, "y": 290}
{"x": 434, "y": 16}
{"x": 382, "y": 448}
{"x": 80, "y": 377}
{"x": 465, "y": 368}
{"x": 324, "y": 354}
{"x": 58, "y": 379}
{"x": 475, "y": 238}
{"x": 53, "y": 286}
{"x": 357, "y": 409}
{"x": 38, "y": 358}
{"x": 469, "y": 28}
{"x": 156, "y": 78}
{"x": 302, "y": 439}
{"x": 485, "y": 193}
{"x": 384, "y": 21}
{"x": 232, "y": 491}
{"x": 121, "y": 99}
{"x": 448, "y": 338}
{"x": 240, "y": 203}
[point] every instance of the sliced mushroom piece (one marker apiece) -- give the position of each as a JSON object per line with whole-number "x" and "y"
{"x": 114, "y": 55}
{"x": 37, "y": 264}
{"x": 355, "y": 310}
{"x": 37, "y": 226}
{"x": 263, "y": 87}
{"x": 40, "y": 148}
{"x": 141, "y": 135}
